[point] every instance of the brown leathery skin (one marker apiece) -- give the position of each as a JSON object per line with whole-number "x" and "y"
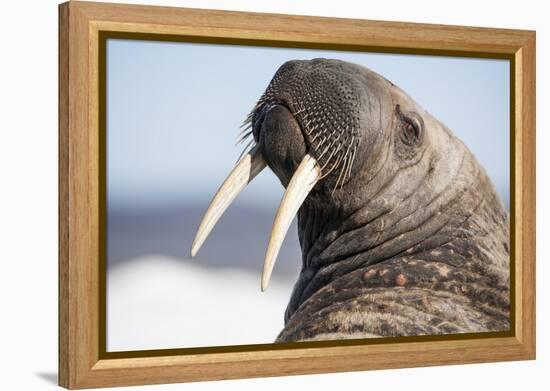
{"x": 413, "y": 240}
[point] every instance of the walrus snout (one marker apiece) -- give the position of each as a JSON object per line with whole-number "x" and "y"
{"x": 282, "y": 142}
{"x": 315, "y": 124}
{"x": 337, "y": 106}
{"x": 325, "y": 100}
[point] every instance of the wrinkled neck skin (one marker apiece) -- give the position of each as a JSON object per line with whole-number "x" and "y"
{"x": 440, "y": 200}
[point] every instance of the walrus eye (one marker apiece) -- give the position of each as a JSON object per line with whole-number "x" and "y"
{"x": 410, "y": 127}
{"x": 410, "y": 133}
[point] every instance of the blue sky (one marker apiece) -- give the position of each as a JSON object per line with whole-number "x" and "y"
{"x": 174, "y": 109}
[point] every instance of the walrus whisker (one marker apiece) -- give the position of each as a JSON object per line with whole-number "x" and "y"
{"x": 348, "y": 173}
{"x": 315, "y": 137}
{"x": 245, "y": 126}
{"x": 306, "y": 125}
{"x": 246, "y": 150}
{"x": 243, "y": 138}
{"x": 245, "y": 170}
{"x": 303, "y": 180}
{"x": 320, "y": 144}
{"x": 336, "y": 163}
{"x": 338, "y": 137}
{"x": 312, "y": 129}
{"x": 344, "y": 168}
{"x": 353, "y": 156}
{"x": 335, "y": 130}
{"x": 344, "y": 162}
{"x": 304, "y": 116}
{"x": 342, "y": 165}
{"x": 324, "y": 151}
{"x": 248, "y": 119}
{"x": 328, "y": 160}
{"x": 347, "y": 168}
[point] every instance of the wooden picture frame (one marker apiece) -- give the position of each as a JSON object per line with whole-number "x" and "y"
{"x": 83, "y": 29}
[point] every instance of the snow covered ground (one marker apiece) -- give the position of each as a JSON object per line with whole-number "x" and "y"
{"x": 160, "y": 302}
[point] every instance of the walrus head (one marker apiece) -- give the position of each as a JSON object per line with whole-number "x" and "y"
{"x": 369, "y": 172}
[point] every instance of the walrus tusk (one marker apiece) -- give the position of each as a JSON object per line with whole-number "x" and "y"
{"x": 304, "y": 179}
{"x": 245, "y": 170}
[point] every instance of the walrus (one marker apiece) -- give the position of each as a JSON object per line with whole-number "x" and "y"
{"x": 401, "y": 230}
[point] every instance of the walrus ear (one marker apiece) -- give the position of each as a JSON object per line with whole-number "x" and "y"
{"x": 410, "y": 127}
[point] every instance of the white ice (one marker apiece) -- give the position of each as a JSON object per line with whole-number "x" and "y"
{"x": 158, "y": 302}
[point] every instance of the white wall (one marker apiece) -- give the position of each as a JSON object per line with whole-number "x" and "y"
{"x": 28, "y": 211}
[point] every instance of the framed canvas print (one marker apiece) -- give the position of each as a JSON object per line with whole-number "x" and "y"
{"x": 248, "y": 195}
